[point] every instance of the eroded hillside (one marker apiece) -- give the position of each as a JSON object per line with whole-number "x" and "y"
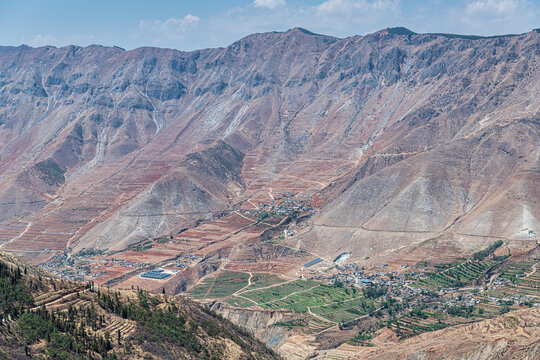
{"x": 428, "y": 133}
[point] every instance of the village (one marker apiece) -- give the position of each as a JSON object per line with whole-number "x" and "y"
{"x": 405, "y": 287}
{"x": 174, "y": 253}
{"x": 453, "y": 289}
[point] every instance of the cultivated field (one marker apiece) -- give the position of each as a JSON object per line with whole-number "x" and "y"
{"x": 457, "y": 276}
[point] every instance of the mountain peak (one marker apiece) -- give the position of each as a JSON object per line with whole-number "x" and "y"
{"x": 300, "y": 30}
{"x": 297, "y": 33}
{"x": 400, "y": 31}
{"x": 396, "y": 31}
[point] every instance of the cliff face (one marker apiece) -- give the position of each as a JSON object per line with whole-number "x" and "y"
{"x": 404, "y": 133}
{"x": 259, "y": 323}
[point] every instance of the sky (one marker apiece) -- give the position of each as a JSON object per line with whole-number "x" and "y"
{"x": 189, "y": 25}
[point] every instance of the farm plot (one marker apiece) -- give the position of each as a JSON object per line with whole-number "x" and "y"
{"x": 417, "y": 322}
{"x": 524, "y": 278}
{"x": 457, "y": 276}
{"x": 278, "y": 292}
{"x": 260, "y": 280}
{"x": 344, "y": 311}
{"x": 410, "y": 325}
{"x": 333, "y": 303}
{"x": 220, "y": 286}
{"x": 239, "y": 302}
{"x": 292, "y": 323}
{"x": 516, "y": 270}
{"x": 327, "y": 302}
{"x": 490, "y": 310}
{"x": 317, "y": 296}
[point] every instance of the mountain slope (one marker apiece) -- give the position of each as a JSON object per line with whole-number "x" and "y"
{"x": 57, "y": 319}
{"x": 418, "y": 131}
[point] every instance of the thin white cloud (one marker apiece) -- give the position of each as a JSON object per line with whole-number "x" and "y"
{"x": 359, "y": 16}
{"x": 67, "y": 39}
{"x": 356, "y": 5}
{"x": 339, "y": 18}
{"x": 491, "y": 7}
{"x": 42, "y": 40}
{"x": 499, "y": 16}
{"x": 269, "y": 4}
{"x": 171, "y": 28}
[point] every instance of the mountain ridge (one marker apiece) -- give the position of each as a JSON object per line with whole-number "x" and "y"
{"x": 382, "y": 98}
{"x": 399, "y": 30}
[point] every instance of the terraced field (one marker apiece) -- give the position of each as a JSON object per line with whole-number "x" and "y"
{"x": 491, "y": 310}
{"x": 524, "y": 278}
{"x": 239, "y": 302}
{"x": 457, "y": 276}
{"x": 411, "y": 325}
{"x": 260, "y": 280}
{"x": 516, "y": 270}
{"x": 430, "y": 320}
{"x": 222, "y": 285}
{"x": 80, "y": 297}
{"x": 327, "y": 304}
{"x": 344, "y": 311}
{"x": 313, "y": 297}
{"x": 291, "y": 323}
{"x": 272, "y": 294}
{"x": 316, "y": 325}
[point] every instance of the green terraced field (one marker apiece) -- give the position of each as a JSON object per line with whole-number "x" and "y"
{"x": 291, "y": 323}
{"x": 259, "y": 280}
{"x": 320, "y": 295}
{"x": 225, "y": 284}
{"x": 278, "y": 292}
{"x": 524, "y": 277}
{"x": 411, "y": 324}
{"x": 238, "y": 302}
{"x": 331, "y": 302}
{"x": 408, "y": 326}
{"x": 457, "y": 276}
{"x": 334, "y": 303}
{"x": 344, "y": 311}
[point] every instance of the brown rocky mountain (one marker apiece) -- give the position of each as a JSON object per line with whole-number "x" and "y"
{"x": 404, "y": 133}
{"x": 402, "y": 147}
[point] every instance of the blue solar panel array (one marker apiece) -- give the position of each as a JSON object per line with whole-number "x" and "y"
{"x": 156, "y": 274}
{"x": 313, "y": 262}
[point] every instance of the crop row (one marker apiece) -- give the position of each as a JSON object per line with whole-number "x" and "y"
{"x": 457, "y": 276}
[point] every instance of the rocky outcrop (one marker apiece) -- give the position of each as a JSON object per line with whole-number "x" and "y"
{"x": 258, "y": 322}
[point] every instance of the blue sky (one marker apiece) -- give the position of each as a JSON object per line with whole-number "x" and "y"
{"x": 188, "y": 25}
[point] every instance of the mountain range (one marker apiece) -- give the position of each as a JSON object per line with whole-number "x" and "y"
{"x": 401, "y": 132}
